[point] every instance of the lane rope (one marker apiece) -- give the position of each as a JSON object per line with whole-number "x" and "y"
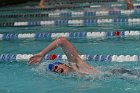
{"x": 84, "y": 13}
{"x": 102, "y": 58}
{"x": 128, "y": 35}
{"x": 74, "y": 22}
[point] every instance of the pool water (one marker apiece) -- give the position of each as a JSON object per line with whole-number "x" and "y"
{"x": 19, "y": 77}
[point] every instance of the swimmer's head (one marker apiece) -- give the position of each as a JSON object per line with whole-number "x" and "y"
{"x": 58, "y": 67}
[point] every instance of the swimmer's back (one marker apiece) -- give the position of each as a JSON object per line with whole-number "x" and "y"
{"x": 81, "y": 69}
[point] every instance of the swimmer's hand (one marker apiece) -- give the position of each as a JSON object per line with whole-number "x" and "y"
{"x": 36, "y": 58}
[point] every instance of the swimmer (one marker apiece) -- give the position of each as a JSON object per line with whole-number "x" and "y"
{"x": 41, "y": 4}
{"x": 129, "y": 4}
{"x": 76, "y": 64}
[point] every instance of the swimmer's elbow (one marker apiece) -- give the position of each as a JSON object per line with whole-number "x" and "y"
{"x": 62, "y": 39}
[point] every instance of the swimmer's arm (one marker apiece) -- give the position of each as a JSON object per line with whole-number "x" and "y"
{"x": 81, "y": 62}
{"x": 68, "y": 49}
{"x": 129, "y": 4}
{"x": 41, "y": 4}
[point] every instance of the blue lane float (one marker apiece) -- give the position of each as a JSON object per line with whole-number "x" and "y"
{"x": 129, "y": 35}
{"x": 74, "y": 22}
{"x": 95, "y": 57}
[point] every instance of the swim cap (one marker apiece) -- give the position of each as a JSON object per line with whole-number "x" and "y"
{"x": 50, "y": 66}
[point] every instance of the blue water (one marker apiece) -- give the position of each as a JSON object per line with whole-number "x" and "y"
{"x": 19, "y": 77}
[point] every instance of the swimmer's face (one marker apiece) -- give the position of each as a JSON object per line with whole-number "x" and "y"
{"x": 61, "y": 68}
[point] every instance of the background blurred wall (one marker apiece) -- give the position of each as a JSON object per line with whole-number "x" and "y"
{"x": 13, "y": 2}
